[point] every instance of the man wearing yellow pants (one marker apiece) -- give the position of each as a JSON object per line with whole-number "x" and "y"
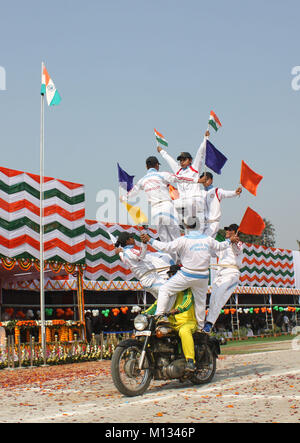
{"x": 184, "y": 321}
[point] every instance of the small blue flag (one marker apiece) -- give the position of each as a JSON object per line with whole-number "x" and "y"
{"x": 125, "y": 180}
{"x": 214, "y": 159}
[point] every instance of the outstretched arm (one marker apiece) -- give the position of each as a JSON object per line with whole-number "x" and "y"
{"x": 171, "y": 247}
{"x": 169, "y": 159}
{"x": 216, "y": 246}
{"x": 172, "y": 178}
{"x": 151, "y": 310}
{"x": 199, "y": 159}
{"x": 132, "y": 193}
{"x": 228, "y": 194}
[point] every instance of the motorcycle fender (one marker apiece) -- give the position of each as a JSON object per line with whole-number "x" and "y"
{"x": 214, "y": 344}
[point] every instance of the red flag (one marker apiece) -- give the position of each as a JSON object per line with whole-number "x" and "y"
{"x": 174, "y": 194}
{"x": 249, "y": 179}
{"x": 252, "y": 223}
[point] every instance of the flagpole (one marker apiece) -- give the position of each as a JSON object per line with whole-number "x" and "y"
{"x": 42, "y": 294}
{"x": 207, "y": 130}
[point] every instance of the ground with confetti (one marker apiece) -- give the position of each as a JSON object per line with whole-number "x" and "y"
{"x": 258, "y": 387}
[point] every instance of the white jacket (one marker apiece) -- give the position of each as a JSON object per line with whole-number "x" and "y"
{"x": 185, "y": 189}
{"x": 134, "y": 259}
{"x": 194, "y": 251}
{"x": 231, "y": 258}
{"x": 139, "y": 261}
{"x": 213, "y": 200}
{"x": 155, "y": 184}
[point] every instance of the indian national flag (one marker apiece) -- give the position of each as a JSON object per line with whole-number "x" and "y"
{"x": 160, "y": 138}
{"x": 214, "y": 121}
{"x": 48, "y": 88}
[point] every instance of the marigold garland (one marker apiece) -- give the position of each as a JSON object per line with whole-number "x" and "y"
{"x": 58, "y": 322}
{"x": 63, "y": 333}
{"x": 26, "y": 323}
{"x": 8, "y": 263}
{"x": 17, "y": 335}
{"x": 48, "y": 335}
{"x": 71, "y": 334}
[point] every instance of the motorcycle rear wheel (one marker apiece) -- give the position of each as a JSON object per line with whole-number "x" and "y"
{"x": 127, "y": 377}
{"x": 206, "y": 367}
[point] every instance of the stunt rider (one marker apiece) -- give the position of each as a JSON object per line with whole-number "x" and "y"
{"x": 150, "y": 269}
{"x": 190, "y": 203}
{"x": 155, "y": 184}
{"x": 214, "y": 196}
{"x": 194, "y": 251}
{"x": 227, "y": 278}
{"x": 183, "y": 320}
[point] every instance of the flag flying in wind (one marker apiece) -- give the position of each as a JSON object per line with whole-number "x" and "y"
{"x": 125, "y": 180}
{"x": 136, "y": 214}
{"x": 249, "y": 179}
{"x": 48, "y": 88}
{"x": 214, "y": 121}
{"x": 160, "y": 138}
{"x": 174, "y": 194}
{"x": 252, "y": 223}
{"x": 214, "y": 159}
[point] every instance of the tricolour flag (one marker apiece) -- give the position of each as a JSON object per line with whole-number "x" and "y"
{"x": 160, "y": 138}
{"x": 249, "y": 179}
{"x": 214, "y": 121}
{"x": 252, "y": 223}
{"x": 48, "y": 88}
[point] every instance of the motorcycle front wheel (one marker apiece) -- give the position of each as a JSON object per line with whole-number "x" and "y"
{"x": 206, "y": 365}
{"x": 126, "y": 375}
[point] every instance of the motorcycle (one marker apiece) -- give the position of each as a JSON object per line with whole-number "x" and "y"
{"x": 155, "y": 353}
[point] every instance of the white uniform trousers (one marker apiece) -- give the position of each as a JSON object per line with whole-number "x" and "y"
{"x": 190, "y": 211}
{"x": 211, "y": 228}
{"x": 152, "y": 283}
{"x": 221, "y": 290}
{"x": 165, "y": 218}
{"x": 179, "y": 282}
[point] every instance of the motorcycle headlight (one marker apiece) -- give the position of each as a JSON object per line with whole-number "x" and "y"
{"x": 140, "y": 322}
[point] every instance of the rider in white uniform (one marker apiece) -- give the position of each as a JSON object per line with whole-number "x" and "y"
{"x": 194, "y": 251}
{"x": 156, "y": 186}
{"x": 149, "y": 268}
{"x": 227, "y": 278}
{"x": 190, "y": 203}
{"x": 213, "y": 199}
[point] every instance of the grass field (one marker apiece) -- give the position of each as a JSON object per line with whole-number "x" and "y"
{"x": 256, "y": 344}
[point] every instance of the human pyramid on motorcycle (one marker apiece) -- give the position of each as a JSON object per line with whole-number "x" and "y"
{"x": 187, "y": 228}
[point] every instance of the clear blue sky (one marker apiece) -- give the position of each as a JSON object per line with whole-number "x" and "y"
{"x": 124, "y": 67}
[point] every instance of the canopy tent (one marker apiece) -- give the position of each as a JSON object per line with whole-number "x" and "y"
{"x": 264, "y": 270}
{"x": 262, "y": 267}
{"x": 63, "y": 218}
{"x": 107, "y": 286}
{"x": 102, "y": 264}
{"x": 76, "y": 245}
{"x": 63, "y": 226}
